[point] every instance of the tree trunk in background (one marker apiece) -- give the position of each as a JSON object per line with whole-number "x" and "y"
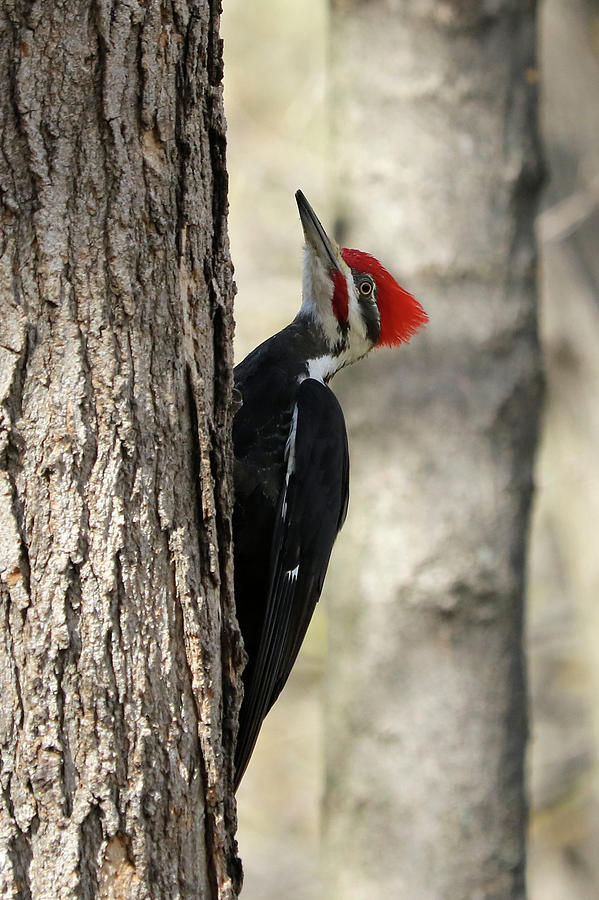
{"x": 435, "y": 146}
{"x": 115, "y": 539}
{"x": 563, "y": 617}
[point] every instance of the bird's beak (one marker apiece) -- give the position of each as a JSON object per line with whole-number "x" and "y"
{"x": 316, "y": 237}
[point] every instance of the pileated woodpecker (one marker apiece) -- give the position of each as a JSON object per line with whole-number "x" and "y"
{"x": 291, "y": 456}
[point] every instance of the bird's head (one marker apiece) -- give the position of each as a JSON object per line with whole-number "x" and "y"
{"x": 355, "y": 301}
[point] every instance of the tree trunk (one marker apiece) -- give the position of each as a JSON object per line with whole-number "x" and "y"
{"x": 115, "y": 539}
{"x": 435, "y": 144}
{"x": 563, "y": 614}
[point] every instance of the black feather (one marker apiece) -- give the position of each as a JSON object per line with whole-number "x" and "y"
{"x": 291, "y": 499}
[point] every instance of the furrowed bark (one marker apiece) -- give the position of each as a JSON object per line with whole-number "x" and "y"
{"x": 435, "y": 144}
{"x": 118, "y": 642}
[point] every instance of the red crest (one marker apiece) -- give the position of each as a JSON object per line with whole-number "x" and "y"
{"x": 401, "y": 314}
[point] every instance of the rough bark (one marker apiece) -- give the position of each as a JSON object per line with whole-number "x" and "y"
{"x": 435, "y": 144}
{"x": 115, "y": 350}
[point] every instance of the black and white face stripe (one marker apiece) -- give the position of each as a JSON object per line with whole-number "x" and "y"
{"x": 366, "y": 292}
{"x": 356, "y": 336}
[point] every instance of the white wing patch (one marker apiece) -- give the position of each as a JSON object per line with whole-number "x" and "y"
{"x": 290, "y": 459}
{"x": 291, "y": 574}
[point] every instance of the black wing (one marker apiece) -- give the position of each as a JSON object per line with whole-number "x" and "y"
{"x": 311, "y": 510}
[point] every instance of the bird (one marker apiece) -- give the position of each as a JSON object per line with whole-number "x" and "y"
{"x": 291, "y": 457}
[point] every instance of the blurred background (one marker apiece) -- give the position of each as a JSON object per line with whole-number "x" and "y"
{"x": 276, "y": 54}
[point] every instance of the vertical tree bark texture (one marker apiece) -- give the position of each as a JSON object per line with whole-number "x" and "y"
{"x": 435, "y": 146}
{"x": 115, "y": 352}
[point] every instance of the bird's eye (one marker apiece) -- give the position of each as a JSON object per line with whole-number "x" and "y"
{"x": 366, "y": 288}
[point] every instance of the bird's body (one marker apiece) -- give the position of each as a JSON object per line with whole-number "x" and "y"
{"x": 291, "y": 457}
